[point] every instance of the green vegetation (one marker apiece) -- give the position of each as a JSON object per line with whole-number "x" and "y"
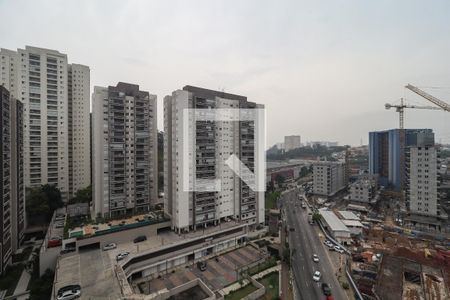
{"x": 41, "y": 288}
{"x": 304, "y": 152}
{"x": 22, "y": 256}
{"x": 345, "y": 285}
{"x": 271, "y": 262}
{"x": 271, "y": 199}
{"x": 41, "y": 202}
{"x": 82, "y": 196}
{"x": 305, "y": 171}
{"x": 280, "y": 180}
{"x": 271, "y": 283}
{"x": 316, "y": 217}
{"x": 10, "y": 278}
{"x": 444, "y": 153}
{"x": 241, "y": 293}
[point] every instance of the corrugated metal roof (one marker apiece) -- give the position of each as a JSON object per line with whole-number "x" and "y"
{"x": 333, "y": 222}
{"x": 352, "y": 223}
{"x": 348, "y": 215}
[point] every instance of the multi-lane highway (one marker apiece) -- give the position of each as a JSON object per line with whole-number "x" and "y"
{"x": 304, "y": 241}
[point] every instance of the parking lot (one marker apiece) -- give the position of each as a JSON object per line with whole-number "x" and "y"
{"x": 218, "y": 273}
{"x": 93, "y": 270}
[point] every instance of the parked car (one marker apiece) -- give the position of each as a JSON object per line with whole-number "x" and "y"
{"x": 315, "y": 258}
{"x": 317, "y": 276}
{"x": 68, "y": 250}
{"x": 140, "y": 238}
{"x": 69, "y": 288}
{"x": 54, "y": 242}
{"x": 339, "y": 249}
{"x": 122, "y": 255}
{"x": 201, "y": 265}
{"x": 326, "y": 289}
{"x": 70, "y": 294}
{"x": 59, "y": 225}
{"x": 328, "y": 243}
{"x": 109, "y": 246}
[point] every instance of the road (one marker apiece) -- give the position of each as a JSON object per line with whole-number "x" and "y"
{"x": 306, "y": 242}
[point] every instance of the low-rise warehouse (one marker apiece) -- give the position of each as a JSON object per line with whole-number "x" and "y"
{"x": 335, "y": 226}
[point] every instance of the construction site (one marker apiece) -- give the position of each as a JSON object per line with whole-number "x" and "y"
{"x": 393, "y": 264}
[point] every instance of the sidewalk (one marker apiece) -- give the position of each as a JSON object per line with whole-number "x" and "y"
{"x": 22, "y": 285}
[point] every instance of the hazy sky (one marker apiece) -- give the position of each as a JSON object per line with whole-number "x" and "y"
{"x": 323, "y": 69}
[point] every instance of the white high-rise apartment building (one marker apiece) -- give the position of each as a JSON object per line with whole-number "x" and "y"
{"x": 292, "y": 142}
{"x": 421, "y": 176}
{"x": 55, "y": 98}
{"x": 215, "y": 142}
{"x": 328, "y": 178}
{"x": 125, "y": 161}
{"x": 79, "y": 127}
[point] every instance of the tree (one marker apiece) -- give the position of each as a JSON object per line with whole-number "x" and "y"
{"x": 304, "y": 171}
{"x": 316, "y": 217}
{"x": 279, "y": 179}
{"x": 41, "y": 288}
{"x": 41, "y": 202}
{"x": 82, "y": 196}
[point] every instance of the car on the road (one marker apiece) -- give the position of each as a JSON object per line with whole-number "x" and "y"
{"x": 315, "y": 258}
{"x": 291, "y": 229}
{"x": 122, "y": 255}
{"x": 338, "y": 249}
{"x": 326, "y": 289}
{"x": 69, "y": 295}
{"x": 109, "y": 246}
{"x": 317, "y": 276}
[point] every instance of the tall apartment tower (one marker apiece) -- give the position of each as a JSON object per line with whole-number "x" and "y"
{"x": 385, "y": 155}
{"x": 12, "y": 210}
{"x": 215, "y": 142}
{"x": 79, "y": 127}
{"x": 292, "y": 142}
{"x": 328, "y": 178}
{"x": 40, "y": 79}
{"x": 421, "y": 176}
{"x": 125, "y": 171}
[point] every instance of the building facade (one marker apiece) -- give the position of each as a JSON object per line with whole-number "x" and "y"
{"x": 214, "y": 143}
{"x": 12, "y": 210}
{"x": 40, "y": 79}
{"x": 386, "y": 157}
{"x": 79, "y": 127}
{"x": 125, "y": 162}
{"x": 421, "y": 176}
{"x": 328, "y": 178}
{"x": 364, "y": 189}
{"x": 292, "y": 142}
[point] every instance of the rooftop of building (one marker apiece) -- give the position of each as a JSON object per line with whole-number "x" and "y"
{"x": 114, "y": 225}
{"x": 352, "y": 223}
{"x": 333, "y": 221}
{"x": 348, "y": 215}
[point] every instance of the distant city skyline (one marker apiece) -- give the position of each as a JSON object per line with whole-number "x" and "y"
{"x": 323, "y": 70}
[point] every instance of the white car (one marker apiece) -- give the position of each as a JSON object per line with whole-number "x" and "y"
{"x": 338, "y": 249}
{"x": 317, "y": 276}
{"x": 109, "y": 246}
{"x": 315, "y": 258}
{"x": 122, "y": 255}
{"x": 68, "y": 295}
{"x": 328, "y": 243}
